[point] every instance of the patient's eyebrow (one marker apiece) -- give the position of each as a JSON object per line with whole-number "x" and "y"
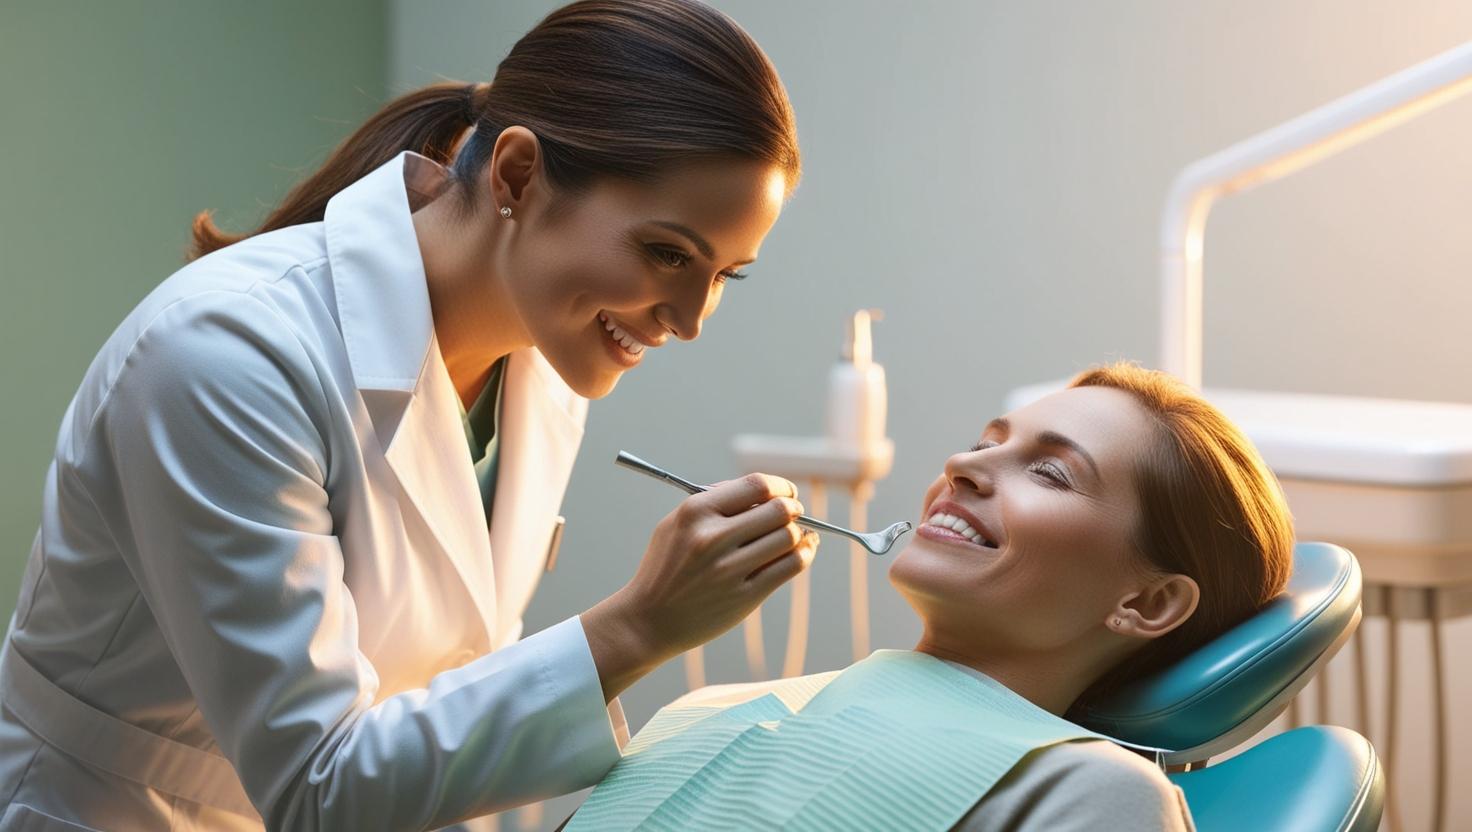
{"x": 1049, "y": 437}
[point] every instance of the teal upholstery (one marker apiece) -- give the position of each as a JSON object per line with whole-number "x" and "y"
{"x": 1315, "y": 778}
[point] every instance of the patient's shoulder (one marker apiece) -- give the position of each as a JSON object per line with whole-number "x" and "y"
{"x": 1081, "y": 785}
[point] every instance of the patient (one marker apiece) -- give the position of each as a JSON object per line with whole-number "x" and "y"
{"x": 1089, "y": 538}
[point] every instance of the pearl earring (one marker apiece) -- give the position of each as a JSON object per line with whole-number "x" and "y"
{"x": 506, "y": 212}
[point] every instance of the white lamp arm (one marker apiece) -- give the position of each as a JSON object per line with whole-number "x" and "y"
{"x": 1269, "y": 155}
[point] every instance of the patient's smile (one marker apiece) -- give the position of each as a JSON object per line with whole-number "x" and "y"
{"x": 944, "y": 526}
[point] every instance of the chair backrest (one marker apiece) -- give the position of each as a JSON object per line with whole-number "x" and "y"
{"x": 1232, "y": 687}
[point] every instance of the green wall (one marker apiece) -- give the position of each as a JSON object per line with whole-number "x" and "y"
{"x": 118, "y": 121}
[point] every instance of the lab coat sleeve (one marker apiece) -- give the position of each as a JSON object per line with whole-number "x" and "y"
{"x": 213, "y": 451}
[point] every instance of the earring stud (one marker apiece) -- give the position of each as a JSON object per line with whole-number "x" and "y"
{"x": 505, "y": 212}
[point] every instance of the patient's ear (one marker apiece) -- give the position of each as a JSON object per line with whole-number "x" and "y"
{"x": 1159, "y": 607}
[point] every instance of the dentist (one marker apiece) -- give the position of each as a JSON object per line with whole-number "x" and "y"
{"x": 306, "y": 489}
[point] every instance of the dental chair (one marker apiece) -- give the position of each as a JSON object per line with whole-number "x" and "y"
{"x": 1317, "y": 778}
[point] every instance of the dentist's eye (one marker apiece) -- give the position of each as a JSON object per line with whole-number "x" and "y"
{"x": 982, "y": 445}
{"x": 731, "y": 274}
{"x": 1052, "y": 473}
{"x": 669, "y": 257}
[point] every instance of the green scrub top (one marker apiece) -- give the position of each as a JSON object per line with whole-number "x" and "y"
{"x": 481, "y": 430}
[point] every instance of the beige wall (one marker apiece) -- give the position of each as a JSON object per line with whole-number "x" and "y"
{"x": 991, "y": 174}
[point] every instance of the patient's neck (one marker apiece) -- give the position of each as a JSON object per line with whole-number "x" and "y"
{"x": 1052, "y": 681}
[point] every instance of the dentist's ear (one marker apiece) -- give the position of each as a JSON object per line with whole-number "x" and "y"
{"x": 1161, "y": 606}
{"x": 514, "y": 167}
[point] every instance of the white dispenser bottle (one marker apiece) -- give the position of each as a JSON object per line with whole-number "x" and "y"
{"x": 857, "y": 399}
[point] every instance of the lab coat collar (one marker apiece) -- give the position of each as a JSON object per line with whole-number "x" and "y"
{"x": 377, "y": 272}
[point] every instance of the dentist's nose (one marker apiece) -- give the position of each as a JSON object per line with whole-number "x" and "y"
{"x": 684, "y": 318}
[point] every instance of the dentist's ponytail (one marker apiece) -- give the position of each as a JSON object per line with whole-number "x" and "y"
{"x": 427, "y": 121}
{"x": 628, "y": 89}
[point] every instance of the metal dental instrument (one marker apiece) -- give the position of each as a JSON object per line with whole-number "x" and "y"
{"x": 877, "y": 543}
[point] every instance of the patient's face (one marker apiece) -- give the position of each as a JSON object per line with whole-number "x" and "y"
{"x": 1051, "y": 508}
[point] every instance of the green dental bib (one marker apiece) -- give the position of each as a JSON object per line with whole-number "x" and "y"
{"x": 900, "y": 740}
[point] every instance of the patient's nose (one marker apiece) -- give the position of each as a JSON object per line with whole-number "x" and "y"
{"x": 969, "y": 472}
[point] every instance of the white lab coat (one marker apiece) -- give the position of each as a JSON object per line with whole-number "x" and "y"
{"x": 263, "y": 586}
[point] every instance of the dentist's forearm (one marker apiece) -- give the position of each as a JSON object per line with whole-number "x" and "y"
{"x": 623, "y": 651}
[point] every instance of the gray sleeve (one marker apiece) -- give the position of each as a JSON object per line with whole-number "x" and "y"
{"x": 1080, "y": 786}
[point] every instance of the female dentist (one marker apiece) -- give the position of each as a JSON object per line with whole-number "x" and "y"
{"x": 305, "y": 490}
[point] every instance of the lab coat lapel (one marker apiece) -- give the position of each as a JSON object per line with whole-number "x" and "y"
{"x": 540, "y": 429}
{"x": 388, "y": 330}
{"x": 431, "y": 460}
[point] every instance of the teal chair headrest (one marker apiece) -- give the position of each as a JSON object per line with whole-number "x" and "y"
{"x": 1230, "y": 688}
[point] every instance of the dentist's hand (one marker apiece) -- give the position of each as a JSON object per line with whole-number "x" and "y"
{"x": 710, "y": 562}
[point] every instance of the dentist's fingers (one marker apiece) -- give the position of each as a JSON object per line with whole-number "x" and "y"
{"x": 692, "y": 583}
{"x": 759, "y": 520}
{"x": 734, "y": 497}
{"x": 785, "y": 567}
{"x": 747, "y": 559}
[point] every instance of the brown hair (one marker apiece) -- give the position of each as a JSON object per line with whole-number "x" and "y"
{"x": 610, "y": 88}
{"x": 1213, "y": 512}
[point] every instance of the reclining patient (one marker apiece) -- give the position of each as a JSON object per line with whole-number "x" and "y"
{"x": 1087, "y": 539}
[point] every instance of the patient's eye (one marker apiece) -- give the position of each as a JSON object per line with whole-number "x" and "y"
{"x": 1051, "y": 472}
{"x": 983, "y": 445}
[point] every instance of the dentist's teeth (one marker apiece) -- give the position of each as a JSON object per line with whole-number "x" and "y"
{"x": 623, "y": 339}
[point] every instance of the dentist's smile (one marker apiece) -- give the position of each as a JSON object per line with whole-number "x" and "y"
{"x": 625, "y": 347}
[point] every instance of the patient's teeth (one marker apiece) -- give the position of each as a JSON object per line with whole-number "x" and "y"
{"x": 959, "y": 526}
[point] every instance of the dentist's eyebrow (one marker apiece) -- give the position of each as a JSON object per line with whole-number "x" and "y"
{"x": 690, "y": 234}
{"x": 699, "y": 241}
{"x": 1049, "y": 437}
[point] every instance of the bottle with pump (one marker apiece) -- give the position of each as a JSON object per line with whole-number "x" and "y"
{"x": 857, "y": 399}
